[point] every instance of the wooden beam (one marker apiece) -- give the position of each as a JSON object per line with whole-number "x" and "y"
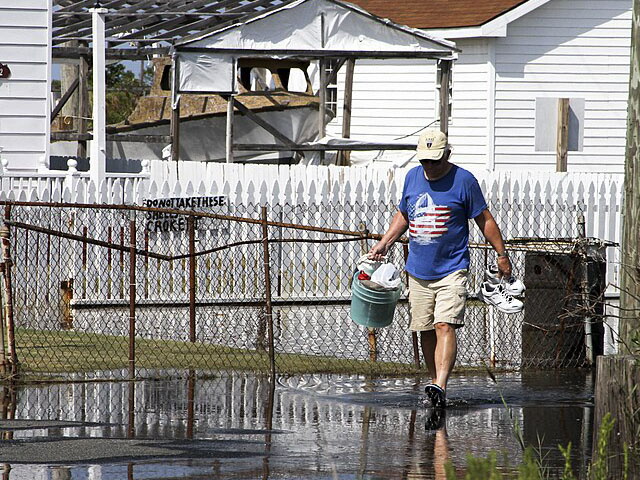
{"x": 83, "y": 104}
{"x": 445, "y": 69}
{"x": 79, "y": 24}
{"x": 259, "y": 147}
{"x": 322, "y": 94}
{"x": 174, "y": 126}
{"x": 267, "y": 126}
{"x": 64, "y": 99}
{"x": 334, "y": 73}
{"x": 229, "y": 130}
{"x": 617, "y": 394}
{"x": 127, "y": 137}
{"x": 562, "y": 139}
{"x": 111, "y": 53}
{"x": 111, "y": 137}
{"x": 344, "y": 158}
{"x": 306, "y": 54}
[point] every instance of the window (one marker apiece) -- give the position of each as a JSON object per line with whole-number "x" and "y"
{"x": 260, "y": 79}
{"x": 165, "y": 78}
{"x": 547, "y": 124}
{"x": 266, "y": 75}
{"x": 293, "y": 80}
{"x": 332, "y": 87}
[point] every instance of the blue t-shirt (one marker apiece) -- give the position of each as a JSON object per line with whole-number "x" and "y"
{"x": 439, "y": 213}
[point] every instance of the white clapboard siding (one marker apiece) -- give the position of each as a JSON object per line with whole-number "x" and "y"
{"x": 565, "y": 48}
{"x": 24, "y": 97}
{"x": 470, "y": 104}
{"x": 391, "y": 99}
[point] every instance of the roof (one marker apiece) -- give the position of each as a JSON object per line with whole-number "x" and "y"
{"x": 146, "y": 24}
{"x": 347, "y": 25}
{"x": 439, "y": 13}
{"x": 135, "y": 28}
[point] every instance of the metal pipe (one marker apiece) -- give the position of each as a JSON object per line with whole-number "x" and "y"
{"x": 131, "y": 427}
{"x": 267, "y": 288}
{"x": 584, "y": 288}
{"x": 3, "y": 353}
{"x": 132, "y": 295}
{"x": 192, "y": 279}
{"x": 354, "y": 233}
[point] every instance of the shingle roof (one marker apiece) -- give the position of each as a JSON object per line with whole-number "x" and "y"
{"x": 438, "y": 13}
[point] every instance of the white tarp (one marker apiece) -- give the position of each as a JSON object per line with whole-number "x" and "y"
{"x": 305, "y": 25}
{"x": 396, "y": 158}
{"x": 205, "y": 73}
{"x": 298, "y": 26}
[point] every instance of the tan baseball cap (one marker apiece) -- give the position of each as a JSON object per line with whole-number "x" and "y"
{"x": 431, "y": 145}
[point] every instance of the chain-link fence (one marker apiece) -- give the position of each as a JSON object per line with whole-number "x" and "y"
{"x": 135, "y": 290}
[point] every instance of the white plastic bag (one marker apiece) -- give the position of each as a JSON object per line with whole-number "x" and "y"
{"x": 387, "y": 276}
{"x": 366, "y": 265}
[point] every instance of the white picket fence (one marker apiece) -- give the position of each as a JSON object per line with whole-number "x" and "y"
{"x": 526, "y": 204}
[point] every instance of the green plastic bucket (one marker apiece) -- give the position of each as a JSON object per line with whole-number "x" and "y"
{"x": 372, "y": 308}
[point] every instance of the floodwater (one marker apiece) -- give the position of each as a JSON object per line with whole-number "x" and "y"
{"x": 239, "y": 426}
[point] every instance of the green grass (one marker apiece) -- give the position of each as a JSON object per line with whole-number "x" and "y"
{"x": 51, "y": 352}
{"x": 478, "y": 468}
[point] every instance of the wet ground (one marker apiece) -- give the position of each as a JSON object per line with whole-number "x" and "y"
{"x": 239, "y": 426}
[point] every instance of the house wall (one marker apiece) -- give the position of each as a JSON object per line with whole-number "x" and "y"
{"x": 24, "y": 103}
{"x": 396, "y": 98}
{"x": 576, "y": 49}
{"x": 471, "y": 105}
{"x": 566, "y": 48}
{"x": 391, "y": 98}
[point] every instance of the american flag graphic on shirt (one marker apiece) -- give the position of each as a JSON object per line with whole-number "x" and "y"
{"x": 429, "y": 220}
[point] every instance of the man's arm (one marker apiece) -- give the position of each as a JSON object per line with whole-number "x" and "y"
{"x": 491, "y": 232}
{"x": 399, "y": 225}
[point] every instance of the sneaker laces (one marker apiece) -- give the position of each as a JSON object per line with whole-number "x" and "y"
{"x": 504, "y": 293}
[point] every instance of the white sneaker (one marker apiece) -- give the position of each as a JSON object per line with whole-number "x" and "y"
{"x": 512, "y": 285}
{"x": 497, "y": 296}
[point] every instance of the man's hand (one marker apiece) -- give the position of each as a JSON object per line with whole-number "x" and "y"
{"x": 504, "y": 266}
{"x": 399, "y": 225}
{"x": 378, "y": 251}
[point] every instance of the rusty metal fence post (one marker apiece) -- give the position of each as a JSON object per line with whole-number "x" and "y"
{"x": 8, "y": 294}
{"x": 3, "y": 342}
{"x": 192, "y": 278}
{"x": 132, "y": 293}
{"x": 267, "y": 287}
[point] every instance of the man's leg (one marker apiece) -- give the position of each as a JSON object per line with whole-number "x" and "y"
{"x": 445, "y": 353}
{"x": 428, "y": 345}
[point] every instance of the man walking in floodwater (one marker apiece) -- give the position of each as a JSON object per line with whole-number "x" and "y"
{"x": 438, "y": 199}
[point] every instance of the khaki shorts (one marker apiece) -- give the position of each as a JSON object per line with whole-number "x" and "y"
{"x": 436, "y": 301}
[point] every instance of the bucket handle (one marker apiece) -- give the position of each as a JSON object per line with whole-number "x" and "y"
{"x": 366, "y": 257}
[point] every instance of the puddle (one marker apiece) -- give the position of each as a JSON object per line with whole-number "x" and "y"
{"x": 314, "y": 426}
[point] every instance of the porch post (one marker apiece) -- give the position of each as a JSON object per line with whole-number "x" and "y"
{"x": 175, "y": 111}
{"x": 445, "y": 69}
{"x": 346, "y": 110}
{"x": 97, "y": 162}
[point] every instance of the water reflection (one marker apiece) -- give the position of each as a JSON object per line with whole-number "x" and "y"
{"x": 237, "y": 425}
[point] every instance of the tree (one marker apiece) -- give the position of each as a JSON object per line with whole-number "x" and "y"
{"x": 630, "y": 268}
{"x": 123, "y": 91}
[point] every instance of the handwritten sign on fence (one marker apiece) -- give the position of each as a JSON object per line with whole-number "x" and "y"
{"x": 161, "y": 222}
